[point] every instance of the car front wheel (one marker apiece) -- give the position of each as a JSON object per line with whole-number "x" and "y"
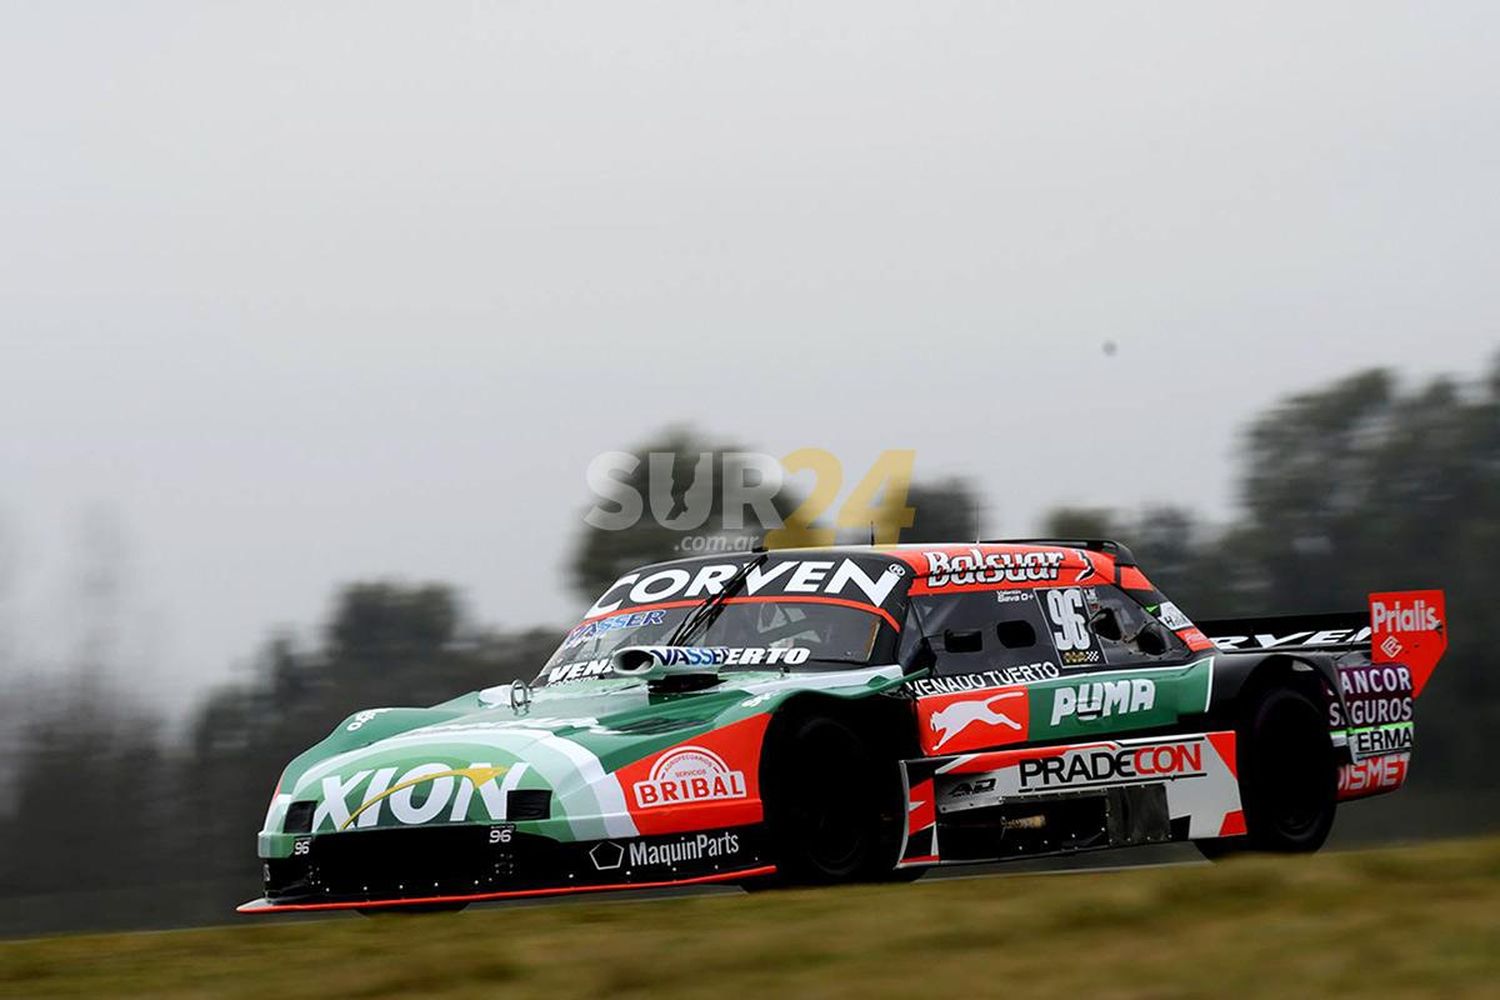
{"x": 833, "y": 803}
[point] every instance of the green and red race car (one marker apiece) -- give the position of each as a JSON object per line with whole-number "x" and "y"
{"x": 856, "y": 713}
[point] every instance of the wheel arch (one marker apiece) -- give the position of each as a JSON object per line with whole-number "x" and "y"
{"x": 884, "y": 724}
{"x": 886, "y": 720}
{"x": 1240, "y": 679}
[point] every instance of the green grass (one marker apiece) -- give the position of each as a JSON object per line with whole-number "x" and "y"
{"x": 1421, "y": 921}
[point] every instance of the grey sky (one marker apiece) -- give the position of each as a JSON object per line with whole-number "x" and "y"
{"x": 311, "y": 292}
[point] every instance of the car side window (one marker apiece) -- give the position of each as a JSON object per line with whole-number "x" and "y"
{"x": 1032, "y": 634}
{"x": 983, "y": 630}
{"x": 1117, "y": 630}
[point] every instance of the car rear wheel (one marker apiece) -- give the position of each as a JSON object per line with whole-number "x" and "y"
{"x": 833, "y": 803}
{"x": 1288, "y": 777}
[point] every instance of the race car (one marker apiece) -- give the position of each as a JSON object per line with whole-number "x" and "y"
{"x": 809, "y": 716}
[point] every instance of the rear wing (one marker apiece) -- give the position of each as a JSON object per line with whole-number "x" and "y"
{"x": 1408, "y": 627}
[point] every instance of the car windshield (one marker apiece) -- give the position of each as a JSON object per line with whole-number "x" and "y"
{"x": 834, "y": 636}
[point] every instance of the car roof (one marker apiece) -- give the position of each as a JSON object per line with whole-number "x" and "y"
{"x": 1113, "y": 551}
{"x": 938, "y": 562}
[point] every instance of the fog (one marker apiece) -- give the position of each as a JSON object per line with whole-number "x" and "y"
{"x": 295, "y": 295}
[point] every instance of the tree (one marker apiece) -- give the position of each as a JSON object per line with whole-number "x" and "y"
{"x": 1080, "y": 522}
{"x": 389, "y": 619}
{"x": 946, "y": 511}
{"x": 673, "y": 488}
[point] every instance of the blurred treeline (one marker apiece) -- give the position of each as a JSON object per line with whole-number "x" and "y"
{"x": 111, "y": 818}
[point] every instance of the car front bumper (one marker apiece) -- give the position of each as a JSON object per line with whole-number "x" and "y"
{"x": 378, "y": 869}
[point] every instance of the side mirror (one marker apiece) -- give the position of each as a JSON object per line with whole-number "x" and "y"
{"x": 963, "y": 640}
{"x": 1151, "y": 641}
{"x": 1106, "y": 625}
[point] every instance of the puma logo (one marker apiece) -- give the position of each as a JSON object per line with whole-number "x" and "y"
{"x": 960, "y": 715}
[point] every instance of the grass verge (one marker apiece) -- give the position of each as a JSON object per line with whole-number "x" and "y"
{"x": 1419, "y": 921}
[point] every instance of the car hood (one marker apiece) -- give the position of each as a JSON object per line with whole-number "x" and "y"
{"x": 545, "y": 757}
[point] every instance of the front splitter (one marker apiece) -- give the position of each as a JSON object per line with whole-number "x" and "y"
{"x": 257, "y": 906}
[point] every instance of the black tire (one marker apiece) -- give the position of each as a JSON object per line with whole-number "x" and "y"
{"x": 1288, "y": 777}
{"x": 833, "y": 804}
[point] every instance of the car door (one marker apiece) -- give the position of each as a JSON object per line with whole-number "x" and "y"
{"x": 1002, "y": 656}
